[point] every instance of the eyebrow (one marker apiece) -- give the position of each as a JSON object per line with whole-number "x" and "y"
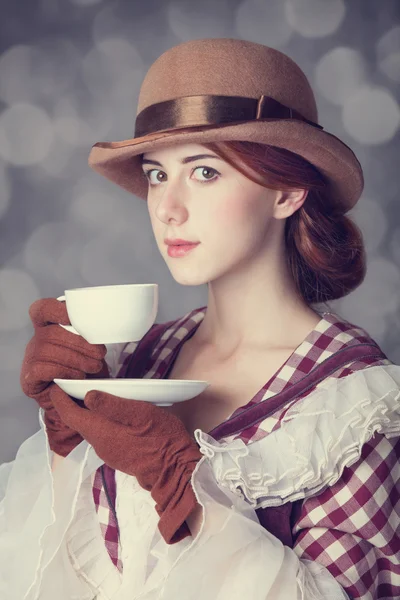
{"x": 183, "y": 161}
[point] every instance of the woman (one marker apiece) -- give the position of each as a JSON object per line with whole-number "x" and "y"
{"x": 279, "y": 481}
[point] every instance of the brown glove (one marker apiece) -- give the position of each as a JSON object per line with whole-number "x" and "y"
{"x": 52, "y": 353}
{"x": 143, "y": 440}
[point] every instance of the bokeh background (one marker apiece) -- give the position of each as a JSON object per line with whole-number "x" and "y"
{"x": 70, "y": 74}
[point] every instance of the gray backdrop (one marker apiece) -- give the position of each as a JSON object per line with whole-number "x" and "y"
{"x": 70, "y": 73}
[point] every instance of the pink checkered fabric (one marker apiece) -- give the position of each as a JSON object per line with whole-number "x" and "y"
{"x": 362, "y": 555}
{"x": 331, "y": 334}
{"x": 353, "y": 527}
{"x": 107, "y": 520}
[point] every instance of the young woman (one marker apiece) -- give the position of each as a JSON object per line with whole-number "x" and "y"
{"x": 279, "y": 481}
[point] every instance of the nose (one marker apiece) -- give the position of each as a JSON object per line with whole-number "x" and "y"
{"x": 172, "y": 204}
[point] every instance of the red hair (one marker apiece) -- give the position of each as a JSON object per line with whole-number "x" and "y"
{"x": 325, "y": 248}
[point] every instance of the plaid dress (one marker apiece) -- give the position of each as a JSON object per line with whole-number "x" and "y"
{"x": 352, "y": 527}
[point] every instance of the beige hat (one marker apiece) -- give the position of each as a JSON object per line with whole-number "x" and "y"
{"x": 228, "y": 89}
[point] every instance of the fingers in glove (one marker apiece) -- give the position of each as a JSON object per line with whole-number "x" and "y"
{"x": 69, "y": 412}
{"x": 47, "y": 314}
{"x": 113, "y": 442}
{"x": 119, "y": 409}
{"x": 58, "y": 355}
{"x": 95, "y": 428}
{"x": 55, "y": 334}
{"x": 37, "y": 376}
{"x": 103, "y": 374}
{"x": 48, "y": 310}
{"x": 143, "y": 418}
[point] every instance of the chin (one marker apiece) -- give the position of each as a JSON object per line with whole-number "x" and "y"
{"x": 189, "y": 279}
{"x": 187, "y": 274}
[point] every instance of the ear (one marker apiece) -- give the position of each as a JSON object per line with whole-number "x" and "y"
{"x": 287, "y": 203}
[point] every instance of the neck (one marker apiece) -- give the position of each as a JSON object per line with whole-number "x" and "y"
{"x": 256, "y": 306}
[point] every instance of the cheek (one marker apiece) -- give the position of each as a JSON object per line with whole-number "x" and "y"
{"x": 157, "y": 226}
{"x": 152, "y": 215}
{"x": 238, "y": 216}
{"x": 244, "y": 225}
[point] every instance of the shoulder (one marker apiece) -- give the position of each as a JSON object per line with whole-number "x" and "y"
{"x": 344, "y": 331}
{"x": 358, "y": 397}
{"x": 337, "y": 334}
{"x": 319, "y": 433}
{"x": 318, "y": 437}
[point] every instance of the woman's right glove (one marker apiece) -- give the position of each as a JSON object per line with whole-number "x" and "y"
{"x": 53, "y": 353}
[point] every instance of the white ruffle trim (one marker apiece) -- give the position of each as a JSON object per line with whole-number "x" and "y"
{"x": 320, "y": 435}
{"x": 86, "y": 549}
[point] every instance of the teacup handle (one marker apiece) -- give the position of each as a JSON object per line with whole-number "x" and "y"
{"x": 67, "y": 327}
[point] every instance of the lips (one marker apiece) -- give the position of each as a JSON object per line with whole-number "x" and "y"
{"x": 179, "y": 242}
{"x": 177, "y": 250}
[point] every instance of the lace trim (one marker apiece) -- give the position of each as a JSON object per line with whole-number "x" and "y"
{"x": 86, "y": 548}
{"x": 319, "y": 436}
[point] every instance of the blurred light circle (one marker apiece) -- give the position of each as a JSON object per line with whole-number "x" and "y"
{"x": 96, "y": 209}
{"x": 10, "y": 357}
{"x": 395, "y": 245}
{"x": 5, "y": 190}
{"x": 118, "y": 51}
{"x": 314, "y": 18}
{"x": 29, "y": 73}
{"x": 108, "y": 62}
{"x": 16, "y": 65}
{"x": 262, "y": 22}
{"x": 108, "y": 22}
{"x": 388, "y": 53}
{"x": 57, "y": 162}
{"x": 395, "y": 355}
{"x": 82, "y": 125}
{"x": 145, "y": 28}
{"x": 340, "y": 73}
{"x": 12, "y": 347}
{"x": 371, "y": 115}
{"x": 26, "y": 134}
{"x": 86, "y": 2}
{"x": 67, "y": 266}
{"x": 187, "y": 20}
{"x": 376, "y": 299}
{"x": 112, "y": 73}
{"x": 372, "y": 220}
{"x": 70, "y": 129}
{"x": 58, "y": 67}
{"x": 19, "y": 419}
{"x": 45, "y": 248}
{"x": 105, "y": 260}
{"x": 380, "y": 291}
{"x": 17, "y": 291}
{"x": 391, "y": 66}
{"x": 117, "y": 255}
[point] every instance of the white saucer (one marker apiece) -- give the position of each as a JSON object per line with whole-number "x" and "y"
{"x": 162, "y": 392}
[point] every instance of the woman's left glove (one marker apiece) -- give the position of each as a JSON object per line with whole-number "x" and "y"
{"x": 142, "y": 440}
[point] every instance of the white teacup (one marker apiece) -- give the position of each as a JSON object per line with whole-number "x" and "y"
{"x": 111, "y": 314}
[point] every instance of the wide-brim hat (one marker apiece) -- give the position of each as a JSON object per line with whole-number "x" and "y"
{"x": 226, "y": 89}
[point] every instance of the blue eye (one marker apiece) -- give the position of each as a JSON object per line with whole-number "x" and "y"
{"x": 205, "y": 168}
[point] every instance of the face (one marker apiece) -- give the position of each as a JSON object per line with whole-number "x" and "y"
{"x": 207, "y": 200}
